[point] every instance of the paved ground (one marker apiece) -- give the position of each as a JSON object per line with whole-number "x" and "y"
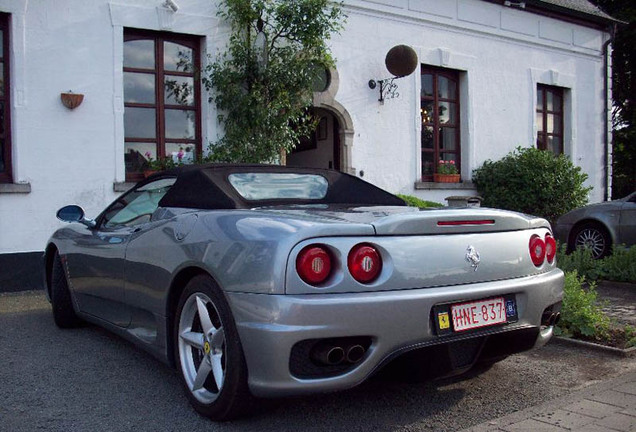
{"x": 609, "y": 406}
{"x": 89, "y": 380}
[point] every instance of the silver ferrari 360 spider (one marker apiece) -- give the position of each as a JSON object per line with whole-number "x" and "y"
{"x": 264, "y": 281}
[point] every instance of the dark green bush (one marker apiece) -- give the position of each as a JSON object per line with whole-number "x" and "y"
{"x": 416, "y": 202}
{"x": 532, "y": 181}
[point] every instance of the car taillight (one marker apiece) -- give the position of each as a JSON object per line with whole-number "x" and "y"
{"x": 550, "y": 248}
{"x": 364, "y": 263}
{"x": 537, "y": 250}
{"x": 314, "y": 264}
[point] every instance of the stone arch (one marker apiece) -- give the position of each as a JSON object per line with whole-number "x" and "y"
{"x": 326, "y": 100}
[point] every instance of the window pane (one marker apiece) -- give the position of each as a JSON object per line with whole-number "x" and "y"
{"x": 138, "y": 206}
{"x": 179, "y": 90}
{"x": 427, "y": 85}
{"x": 553, "y": 101}
{"x": 541, "y": 141}
{"x": 180, "y": 124}
{"x": 177, "y": 57}
{"x": 137, "y": 155}
{"x": 139, "y": 54}
{"x": 181, "y": 153}
{"x": 539, "y": 99}
{"x": 139, "y": 87}
{"x": 554, "y": 144}
{"x": 427, "y": 112}
{"x": 539, "y": 117}
{"x": 447, "y": 138}
{"x": 1, "y": 79}
{"x": 554, "y": 123}
{"x": 1, "y": 43}
{"x": 139, "y": 123}
{"x": 449, "y": 157}
{"x": 446, "y": 88}
{"x": 447, "y": 111}
{"x": 427, "y": 137}
{"x": 263, "y": 186}
{"x": 427, "y": 164}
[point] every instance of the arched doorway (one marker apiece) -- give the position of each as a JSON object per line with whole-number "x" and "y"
{"x": 321, "y": 149}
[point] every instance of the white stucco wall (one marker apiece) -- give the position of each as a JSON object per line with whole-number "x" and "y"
{"x": 502, "y": 53}
{"x": 76, "y": 156}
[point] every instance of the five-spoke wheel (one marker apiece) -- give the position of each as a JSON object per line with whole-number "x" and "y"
{"x": 209, "y": 353}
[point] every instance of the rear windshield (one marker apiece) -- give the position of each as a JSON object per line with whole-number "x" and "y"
{"x": 269, "y": 186}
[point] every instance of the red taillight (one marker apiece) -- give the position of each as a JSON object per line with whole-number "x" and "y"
{"x": 313, "y": 264}
{"x": 537, "y": 250}
{"x": 364, "y": 263}
{"x": 550, "y": 248}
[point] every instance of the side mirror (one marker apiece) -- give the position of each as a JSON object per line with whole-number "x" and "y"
{"x": 74, "y": 213}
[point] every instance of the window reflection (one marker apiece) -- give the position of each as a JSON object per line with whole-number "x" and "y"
{"x": 177, "y": 57}
{"x": 139, "y": 122}
{"x": 139, "y": 54}
{"x": 446, "y": 88}
{"x": 139, "y": 87}
{"x": 180, "y": 124}
{"x": 427, "y": 85}
{"x": 181, "y": 153}
{"x": 138, "y": 154}
{"x": 179, "y": 90}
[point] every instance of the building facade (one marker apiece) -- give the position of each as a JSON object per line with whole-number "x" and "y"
{"x": 490, "y": 76}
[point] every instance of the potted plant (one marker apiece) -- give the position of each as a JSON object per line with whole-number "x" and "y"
{"x": 446, "y": 172}
{"x": 155, "y": 165}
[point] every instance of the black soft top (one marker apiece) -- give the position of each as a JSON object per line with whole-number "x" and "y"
{"x": 207, "y": 187}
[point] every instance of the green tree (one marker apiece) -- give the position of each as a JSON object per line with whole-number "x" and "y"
{"x": 262, "y": 83}
{"x": 623, "y": 95}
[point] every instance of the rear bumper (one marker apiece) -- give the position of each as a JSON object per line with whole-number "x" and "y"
{"x": 396, "y": 322}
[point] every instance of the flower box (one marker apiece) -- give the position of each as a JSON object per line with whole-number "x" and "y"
{"x": 446, "y": 178}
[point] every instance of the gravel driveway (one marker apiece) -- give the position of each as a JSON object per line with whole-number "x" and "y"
{"x": 87, "y": 379}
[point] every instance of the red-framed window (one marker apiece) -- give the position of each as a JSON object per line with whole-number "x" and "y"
{"x": 5, "y": 105}
{"x": 550, "y": 118}
{"x": 162, "y": 99}
{"x": 439, "y": 108}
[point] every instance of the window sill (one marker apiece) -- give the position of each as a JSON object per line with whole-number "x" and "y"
{"x": 15, "y": 188}
{"x": 123, "y": 186}
{"x": 445, "y": 186}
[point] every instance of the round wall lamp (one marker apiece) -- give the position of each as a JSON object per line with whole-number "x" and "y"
{"x": 400, "y": 61}
{"x": 71, "y": 100}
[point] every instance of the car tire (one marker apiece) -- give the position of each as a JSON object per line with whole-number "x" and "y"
{"x": 211, "y": 363}
{"x": 63, "y": 313}
{"x": 592, "y": 236}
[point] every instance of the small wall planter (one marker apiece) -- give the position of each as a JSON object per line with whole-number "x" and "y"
{"x": 446, "y": 178}
{"x": 71, "y": 100}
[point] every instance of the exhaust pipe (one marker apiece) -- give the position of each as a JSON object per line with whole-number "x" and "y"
{"x": 328, "y": 354}
{"x": 355, "y": 353}
{"x": 550, "y": 318}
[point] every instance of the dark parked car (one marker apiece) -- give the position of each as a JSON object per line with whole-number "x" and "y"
{"x": 599, "y": 226}
{"x": 262, "y": 281}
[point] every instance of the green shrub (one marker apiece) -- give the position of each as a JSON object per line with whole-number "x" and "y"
{"x": 581, "y": 315}
{"x": 416, "y": 202}
{"x": 532, "y": 181}
{"x": 620, "y": 266}
{"x": 580, "y": 261}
